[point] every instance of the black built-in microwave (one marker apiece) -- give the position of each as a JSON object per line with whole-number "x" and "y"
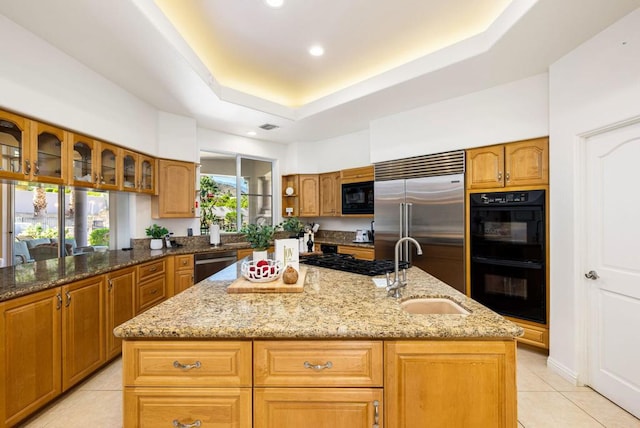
{"x": 357, "y": 198}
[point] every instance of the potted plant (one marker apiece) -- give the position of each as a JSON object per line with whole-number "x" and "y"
{"x": 293, "y": 225}
{"x": 260, "y": 238}
{"x": 156, "y": 233}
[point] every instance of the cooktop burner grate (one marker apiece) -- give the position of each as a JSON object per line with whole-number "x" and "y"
{"x": 348, "y": 263}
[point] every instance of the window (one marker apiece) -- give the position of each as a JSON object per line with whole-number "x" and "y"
{"x": 220, "y": 178}
{"x": 45, "y": 215}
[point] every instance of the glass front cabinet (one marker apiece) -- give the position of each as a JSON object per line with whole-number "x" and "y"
{"x": 138, "y": 172}
{"x": 14, "y": 145}
{"x": 94, "y": 163}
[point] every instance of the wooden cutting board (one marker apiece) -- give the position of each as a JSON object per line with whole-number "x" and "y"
{"x": 243, "y": 285}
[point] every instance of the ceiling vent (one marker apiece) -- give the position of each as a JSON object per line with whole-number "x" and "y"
{"x": 269, "y": 126}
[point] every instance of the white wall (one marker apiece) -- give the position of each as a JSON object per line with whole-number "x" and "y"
{"x": 347, "y": 151}
{"x": 510, "y": 112}
{"x": 39, "y": 81}
{"x": 177, "y": 137}
{"x": 595, "y": 85}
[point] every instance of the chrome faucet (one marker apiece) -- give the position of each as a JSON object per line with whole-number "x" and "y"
{"x": 393, "y": 288}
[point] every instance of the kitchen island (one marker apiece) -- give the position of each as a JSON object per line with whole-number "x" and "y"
{"x": 339, "y": 354}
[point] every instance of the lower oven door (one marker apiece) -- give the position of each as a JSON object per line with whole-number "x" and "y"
{"x": 515, "y": 289}
{"x": 209, "y": 263}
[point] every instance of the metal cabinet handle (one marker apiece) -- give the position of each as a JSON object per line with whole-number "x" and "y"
{"x": 178, "y": 424}
{"x": 508, "y": 176}
{"x": 110, "y": 282}
{"x": 66, "y": 305}
{"x": 376, "y": 414}
{"x": 37, "y": 168}
{"x": 59, "y": 304}
{"x": 318, "y": 367}
{"x": 499, "y": 175}
{"x": 154, "y": 291}
{"x": 153, "y": 269}
{"x": 96, "y": 178}
{"x": 592, "y": 274}
{"x": 179, "y": 365}
{"x": 27, "y": 167}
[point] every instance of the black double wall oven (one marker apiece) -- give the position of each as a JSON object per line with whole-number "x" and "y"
{"x": 508, "y": 253}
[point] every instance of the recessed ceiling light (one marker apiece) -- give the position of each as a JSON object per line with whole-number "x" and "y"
{"x": 251, "y": 133}
{"x": 274, "y": 3}
{"x": 316, "y": 50}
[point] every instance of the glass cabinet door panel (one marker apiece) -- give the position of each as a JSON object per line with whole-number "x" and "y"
{"x": 129, "y": 171}
{"x": 49, "y": 148}
{"x": 108, "y": 165}
{"x": 13, "y": 142}
{"x": 146, "y": 175}
{"x": 83, "y": 168}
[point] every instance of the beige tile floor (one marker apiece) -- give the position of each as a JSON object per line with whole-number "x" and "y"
{"x": 544, "y": 400}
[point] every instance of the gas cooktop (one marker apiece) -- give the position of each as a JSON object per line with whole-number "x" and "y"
{"x": 348, "y": 263}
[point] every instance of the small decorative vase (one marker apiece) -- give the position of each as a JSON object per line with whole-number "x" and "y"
{"x": 259, "y": 255}
{"x": 155, "y": 244}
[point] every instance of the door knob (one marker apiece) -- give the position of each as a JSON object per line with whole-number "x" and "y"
{"x": 592, "y": 274}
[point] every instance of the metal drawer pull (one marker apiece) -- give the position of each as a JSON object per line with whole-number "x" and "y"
{"x": 179, "y": 365}
{"x": 154, "y": 291}
{"x": 153, "y": 269}
{"x": 178, "y": 424}
{"x": 318, "y": 367}
{"x": 376, "y": 414}
{"x": 68, "y": 299}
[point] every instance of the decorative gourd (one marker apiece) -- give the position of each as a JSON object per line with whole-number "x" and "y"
{"x": 290, "y": 275}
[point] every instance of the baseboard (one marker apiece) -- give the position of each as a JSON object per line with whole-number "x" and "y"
{"x": 564, "y": 372}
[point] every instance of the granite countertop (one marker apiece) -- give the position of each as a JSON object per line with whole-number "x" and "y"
{"x": 335, "y": 305}
{"x": 29, "y": 278}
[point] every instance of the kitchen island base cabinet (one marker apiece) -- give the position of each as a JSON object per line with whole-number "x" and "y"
{"x": 192, "y": 407}
{"x": 317, "y": 407}
{"x": 450, "y": 384}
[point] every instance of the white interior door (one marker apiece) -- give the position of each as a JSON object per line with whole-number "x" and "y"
{"x": 613, "y": 235}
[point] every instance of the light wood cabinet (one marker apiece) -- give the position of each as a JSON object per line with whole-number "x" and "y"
{"x": 186, "y": 382}
{"x": 357, "y": 252}
{"x": 152, "y": 284}
{"x": 47, "y": 158}
{"x": 523, "y": 163}
{"x": 93, "y": 163}
{"x": 330, "y": 194}
{"x": 309, "y": 195}
{"x": 30, "y": 355}
{"x": 138, "y": 172}
{"x": 318, "y": 407}
{"x": 450, "y": 383}
{"x": 120, "y": 305}
{"x": 14, "y": 145}
{"x": 357, "y": 175}
{"x": 290, "y": 197}
{"x": 83, "y": 329}
{"x": 176, "y": 190}
{"x": 183, "y": 273}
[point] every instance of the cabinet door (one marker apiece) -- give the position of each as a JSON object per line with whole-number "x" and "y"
{"x": 150, "y": 292}
{"x": 188, "y": 407}
{"x": 527, "y": 162}
{"x": 14, "y": 145}
{"x": 317, "y": 407}
{"x": 309, "y": 197}
{"x": 184, "y": 280}
{"x": 108, "y": 163}
{"x": 330, "y": 194}
{"x": 83, "y": 329}
{"x": 147, "y": 174}
{"x": 129, "y": 165}
{"x": 29, "y": 354}
{"x": 83, "y": 170}
{"x": 485, "y": 167}
{"x": 474, "y": 381}
{"x": 48, "y": 153}
{"x": 176, "y": 190}
{"x": 120, "y": 305}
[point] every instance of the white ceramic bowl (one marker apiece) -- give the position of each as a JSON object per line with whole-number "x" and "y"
{"x": 261, "y": 270}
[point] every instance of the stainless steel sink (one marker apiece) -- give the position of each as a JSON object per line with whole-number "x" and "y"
{"x": 433, "y": 306}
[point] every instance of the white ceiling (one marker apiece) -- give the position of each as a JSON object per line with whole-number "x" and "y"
{"x": 132, "y": 43}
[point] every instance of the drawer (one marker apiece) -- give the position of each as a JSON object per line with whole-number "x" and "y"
{"x": 182, "y": 363}
{"x": 150, "y": 293}
{"x": 178, "y": 407}
{"x": 317, "y": 363}
{"x": 150, "y": 269}
{"x": 357, "y": 252}
{"x": 184, "y": 262}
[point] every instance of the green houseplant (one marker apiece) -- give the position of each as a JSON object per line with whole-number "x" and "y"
{"x": 293, "y": 225}
{"x": 156, "y": 233}
{"x": 260, "y": 238}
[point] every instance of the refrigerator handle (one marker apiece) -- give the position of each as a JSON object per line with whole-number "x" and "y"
{"x": 407, "y": 231}
{"x": 401, "y": 217}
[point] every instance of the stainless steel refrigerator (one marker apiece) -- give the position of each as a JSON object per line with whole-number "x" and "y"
{"x": 429, "y": 209}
